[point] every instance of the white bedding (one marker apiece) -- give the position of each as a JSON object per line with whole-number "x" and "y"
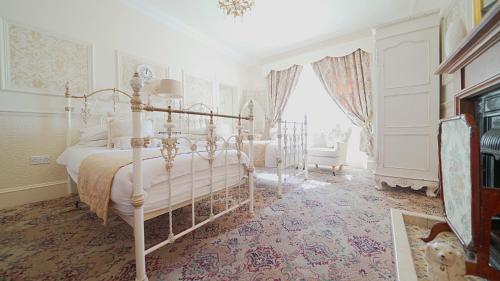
{"x": 155, "y": 176}
{"x": 271, "y": 152}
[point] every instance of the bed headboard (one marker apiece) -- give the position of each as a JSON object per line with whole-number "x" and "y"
{"x": 93, "y": 99}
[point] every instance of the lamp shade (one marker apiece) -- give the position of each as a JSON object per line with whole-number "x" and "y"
{"x": 170, "y": 88}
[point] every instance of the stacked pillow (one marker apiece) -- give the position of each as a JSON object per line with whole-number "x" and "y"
{"x": 94, "y": 136}
{"x": 120, "y": 131}
{"x": 116, "y": 134}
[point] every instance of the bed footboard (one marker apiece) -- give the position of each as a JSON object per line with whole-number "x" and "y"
{"x": 292, "y": 151}
{"x": 169, "y": 151}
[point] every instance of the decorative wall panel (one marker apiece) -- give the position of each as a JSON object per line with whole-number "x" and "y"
{"x": 127, "y": 65}
{"x": 399, "y": 152}
{"x": 40, "y": 62}
{"x": 228, "y": 99}
{"x": 407, "y": 64}
{"x": 197, "y": 90}
{"x": 410, "y": 110}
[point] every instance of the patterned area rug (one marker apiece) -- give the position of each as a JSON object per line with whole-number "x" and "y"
{"x": 326, "y": 228}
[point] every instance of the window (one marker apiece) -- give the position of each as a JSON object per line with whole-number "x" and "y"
{"x": 323, "y": 114}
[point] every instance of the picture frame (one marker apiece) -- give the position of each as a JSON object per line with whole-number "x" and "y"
{"x": 481, "y": 8}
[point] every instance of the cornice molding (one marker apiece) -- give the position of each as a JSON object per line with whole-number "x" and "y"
{"x": 187, "y": 30}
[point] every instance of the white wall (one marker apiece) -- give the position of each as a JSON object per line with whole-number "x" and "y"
{"x": 33, "y": 124}
{"x": 461, "y": 10}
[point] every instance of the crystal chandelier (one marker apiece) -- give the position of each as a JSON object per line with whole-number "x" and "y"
{"x": 235, "y": 8}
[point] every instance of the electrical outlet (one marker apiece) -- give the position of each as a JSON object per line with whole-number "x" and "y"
{"x": 40, "y": 159}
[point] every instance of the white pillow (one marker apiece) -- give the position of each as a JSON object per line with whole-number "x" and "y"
{"x": 94, "y": 133}
{"x": 122, "y": 143}
{"x": 331, "y": 139}
{"x": 222, "y": 130}
{"x": 96, "y": 143}
{"x": 122, "y": 128}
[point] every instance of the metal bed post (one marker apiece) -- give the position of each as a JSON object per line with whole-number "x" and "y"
{"x": 285, "y": 150}
{"x": 294, "y": 147}
{"x": 68, "y": 110}
{"x": 211, "y": 148}
{"x": 138, "y": 194}
{"x": 278, "y": 160}
{"x": 306, "y": 171}
{"x": 251, "y": 184}
{"x": 301, "y": 146}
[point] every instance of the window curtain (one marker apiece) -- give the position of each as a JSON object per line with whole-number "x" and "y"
{"x": 280, "y": 84}
{"x": 347, "y": 80}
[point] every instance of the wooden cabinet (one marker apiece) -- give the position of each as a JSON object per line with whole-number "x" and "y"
{"x": 407, "y": 102}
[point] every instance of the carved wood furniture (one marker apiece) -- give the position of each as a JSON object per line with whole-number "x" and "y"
{"x": 407, "y": 102}
{"x": 476, "y": 66}
{"x": 213, "y": 148}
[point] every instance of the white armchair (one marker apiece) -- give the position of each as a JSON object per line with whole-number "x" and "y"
{"x": 330, "y": 150}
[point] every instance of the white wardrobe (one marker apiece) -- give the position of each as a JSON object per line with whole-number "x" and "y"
{"x": 407, "y": 102}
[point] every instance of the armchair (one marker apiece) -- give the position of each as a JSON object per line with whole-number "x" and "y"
{"x": 330, "y": 150}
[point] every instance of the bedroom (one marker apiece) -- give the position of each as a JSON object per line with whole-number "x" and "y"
{"x": 294, "y": 140}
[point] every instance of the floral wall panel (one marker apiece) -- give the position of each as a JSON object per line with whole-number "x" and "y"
{"x": 197, "y": 90}
{"x": 39, "y": 62}
{"x": 127, "y": 65}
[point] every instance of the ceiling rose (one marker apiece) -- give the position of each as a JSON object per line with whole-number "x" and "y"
{"x": 236, "y": 8}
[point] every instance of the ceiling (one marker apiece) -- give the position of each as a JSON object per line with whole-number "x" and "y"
{"x": 276, "y": 26}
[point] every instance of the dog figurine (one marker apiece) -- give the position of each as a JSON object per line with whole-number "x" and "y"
{"x": 444, "y": 263}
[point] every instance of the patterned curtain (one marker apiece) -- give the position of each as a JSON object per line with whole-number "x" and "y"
{"x": 280, "y": 84}
{"x": 347, "y": 80}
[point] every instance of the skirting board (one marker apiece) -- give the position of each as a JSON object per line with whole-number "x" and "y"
{"x": 11, "y": 197}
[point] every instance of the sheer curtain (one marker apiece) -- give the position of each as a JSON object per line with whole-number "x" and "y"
{"x": 347, "y": 80}
{"x": 323, "y": 114}
{"x": 280, "y": 84}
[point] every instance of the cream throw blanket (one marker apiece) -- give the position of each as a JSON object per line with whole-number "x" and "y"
{"x": 96, "y": 174}
{"x": 259, "y": 152}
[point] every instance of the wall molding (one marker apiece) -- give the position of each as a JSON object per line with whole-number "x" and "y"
{"x": 5, "y": 66}
{"x": 32, "y": 186}
{"x": 37, "y": 113}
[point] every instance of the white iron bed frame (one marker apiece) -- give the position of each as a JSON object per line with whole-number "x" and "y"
{"x": 292, "y": 151}
{"x": 169, "y": 151}
{"x": 291, "y": 159}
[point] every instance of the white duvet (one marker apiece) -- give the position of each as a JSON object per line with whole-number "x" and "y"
{"x": 271, "y": 152}
{"x": 155, "y": 177}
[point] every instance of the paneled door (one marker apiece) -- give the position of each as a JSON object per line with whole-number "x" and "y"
{"x": 407, "y": 103}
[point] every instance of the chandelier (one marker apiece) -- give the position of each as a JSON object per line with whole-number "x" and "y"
{"x": 235, "y": 8}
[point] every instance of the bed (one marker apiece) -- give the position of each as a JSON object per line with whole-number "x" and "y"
{"x": 155, "y": 178}
{"x": 141, "y": 175}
